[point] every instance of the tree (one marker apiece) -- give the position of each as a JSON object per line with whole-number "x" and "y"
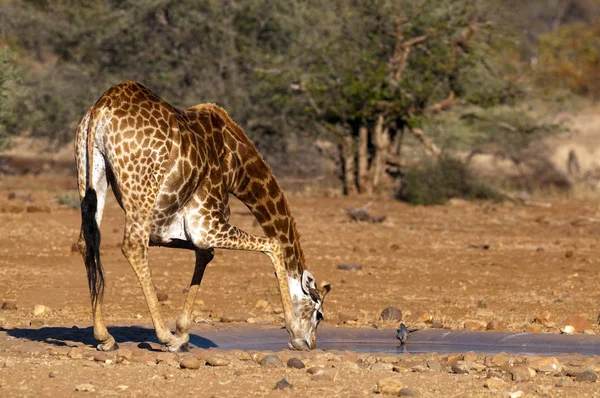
{"x": 8, "y": 75}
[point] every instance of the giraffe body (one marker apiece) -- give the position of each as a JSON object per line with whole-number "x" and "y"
{"x": 172, "y": 172}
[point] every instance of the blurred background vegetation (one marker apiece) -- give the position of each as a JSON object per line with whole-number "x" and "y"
{"x": 368, "y": 91}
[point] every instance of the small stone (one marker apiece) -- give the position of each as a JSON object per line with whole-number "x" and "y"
{"x": 474, "y": 325}
{"x": 162, "y": 296}
{"x": 236, "y": 317}
{"x": 75, "y": 353}
{"x": 189, "y": 363}
{"x": 495, "y": 324}
{"x": 587, "y": 375}
{"x": 495, "y": 383}
{"x": 271, "y": 361}
{"x": 419, "y": 368}
{"x": 217, "y": 360}
{"x": 261, "y": 304}
{"x": 167, "y": 358}
{"x": 481, "y": 304}
{"x": 391, "y": 314}
{"x": 567, "y": 329}
{"x": 544, "y": 318}
{"x": 9, "y": 305}
{"x": 85, "y": 388}
{"x": 533, "y": 328}
{"x": 382, "y": 367}
{"x": 579, "y": 323}
{"x": 295, "y": 363}
{"x": 408, "y": 392}
{"x": 349, "y": 267}
{"x": 420, "y": 316}
{"x": 315, "y": 370}
{"x": 569, "y": 253}
{"x": 282, "y": 385}
{"x": 470, "y": 356}
{"x": 124, "y": 353}
{"x": 400, "y": 369}
{"x": 52, "y": 374}
{"x": 461, "y": 367}
{"x": 521, "y": 373}
{"x": 37, "y": 322}
{"x": 101, "y": 357}
{"x": 547, "y": 365}
{"x": 434, "y": 365}
{"x": 564, "y": 382}
{"x": 390, "y": 386}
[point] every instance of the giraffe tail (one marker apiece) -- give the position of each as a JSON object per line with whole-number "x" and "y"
{"x": 90, "y": 229}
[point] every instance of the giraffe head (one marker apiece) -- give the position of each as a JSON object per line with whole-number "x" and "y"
{"x": 307, "y": 302}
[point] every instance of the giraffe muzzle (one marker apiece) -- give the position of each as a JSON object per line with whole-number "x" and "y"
{"x": 299, "y": 344}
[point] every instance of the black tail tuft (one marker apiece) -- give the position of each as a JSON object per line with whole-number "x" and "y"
{"x": 91, "y": 235}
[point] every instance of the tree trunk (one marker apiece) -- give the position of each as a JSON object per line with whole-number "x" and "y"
{"x": 380, "y": 142}
{"x": 348, "y": 165}
{"x": 362, "y": 152}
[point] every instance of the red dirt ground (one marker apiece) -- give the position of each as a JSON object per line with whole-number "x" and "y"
{"x": 419, "y": 260}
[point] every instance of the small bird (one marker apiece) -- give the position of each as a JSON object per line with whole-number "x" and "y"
{"x": 403, "y": 333}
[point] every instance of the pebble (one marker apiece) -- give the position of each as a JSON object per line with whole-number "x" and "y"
{"x": 564, "y": 382}
{"x": 189, "y": 363}
{"x": 41, "y": 310}
{"x": 349, "y": 267}
{"x": 124, "y": 353}
{"x": 521, "y": 373}
{"x": 101, "y": 357}
{"x": 9, "y": 305}
{"x": 419, "y": 368}
{"x": 315, "y": 370}
{"x": 391, "y": 386}
{"x": 497, "y": 360}
{"x": 282, "y": 385}
{"x": 544, "y": 318}
{"x": 474, "y": 325}
{"x": 391, "y": 314}
{"x": 434, "y": 365}
{"x": 236, "y": 317}
{"x": 463, "y": 367}
{"x": 85, "y": 388}
{"x": 217, "y": 360}
{"x": 515, "y": 394}
{"x": 546, "y": 365}
{"x": 162, "y": 296}
{"x": 408, "y": 392}
{"x": 295, "y": 363}
{"x": 495, "y": 383}
{"x": 37, "y": 322}
{"x": 587, "y": 375}
{"x": 271, "y": 361}
{"x": 382, "y": 367}
{"x": 579, "y": 323}
{"x": 495, "y": 324}
{"x": 52, "y": 374}
{"x": 75, "y": 353}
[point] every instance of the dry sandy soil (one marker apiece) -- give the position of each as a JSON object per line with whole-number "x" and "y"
{"x": 421, "y": 260}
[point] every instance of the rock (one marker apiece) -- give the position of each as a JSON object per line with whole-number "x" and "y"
{"x": 463, "y": 367}
{"x": 162, "y": 296}
{"x": 564, "y": 382}
{"x": 400, "y": 369}
{"x": 533, "y": 328}
{"x": 391, "y": 314}
{"x": 37, "y": 322}
{"x": 419, "y": 316}
{"x": 167, "y": 358}
{"x": 85, "y": 388}
{"x": 419, "y": 368}
{"x": 282, "y": 385}
{"x": 9, "y": 305}
{"x": 587, "y": 375}
{"x": 470, "y": 356}
{"x": 408, "y": 392}
{"x": 474, "y": 325}
{"x": 515, "y": 394}
{"x": 495, "y": 383}
{"x": 579, "y": 323}
{"x": 547, "y": 365}
{"x": 52, "y": 374}
{"x": 382, "y": 367}
{"x": 521, "y": 373}
{"x": 494, "y": 324}
{"x": 124, "y": 353}
{"x": 271, "y": 361}
{"x": 349, "y": 267}
{"x": 295, "y": 363}
{"x": 75, "y": 353}
{"x": 434, "y": 365}
{"x": 544, "y": 318}
{"x": 41, "y": 310}
{"x": 261, "y": 304}
{"x": 236, "y": 317}
{"x": 567, "y": 329}
{"x": 315, "y": 370}
{"x": 216, "y": 360}
{"x": 189, "y": 363}
{"x": 101, "y": 357}
{"x": 499, "y": 359}
{"x": 390, "y": 386}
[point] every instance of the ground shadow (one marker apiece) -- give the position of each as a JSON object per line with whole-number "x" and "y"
{"x": 65, "y": 336}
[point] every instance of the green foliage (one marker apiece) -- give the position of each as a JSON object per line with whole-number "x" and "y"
{"x": 68, "y": 199}
{"x": 8, "y": 76}
{"x": 434, "y": 182}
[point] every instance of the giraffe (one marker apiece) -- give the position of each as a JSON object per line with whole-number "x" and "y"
{"x": 172, "y": 171}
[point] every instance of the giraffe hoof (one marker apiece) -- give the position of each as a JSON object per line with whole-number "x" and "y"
{"x": 109, "y": 346}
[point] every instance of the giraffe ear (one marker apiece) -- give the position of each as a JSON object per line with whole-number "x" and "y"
{"x": 308, "y": 282}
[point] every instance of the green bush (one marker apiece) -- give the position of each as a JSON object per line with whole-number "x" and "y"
{"x": 434, "y": 182}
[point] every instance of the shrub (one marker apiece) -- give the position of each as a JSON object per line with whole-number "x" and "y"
{"x": 434, "y": 182}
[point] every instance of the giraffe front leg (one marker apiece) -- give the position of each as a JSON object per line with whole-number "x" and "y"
{"x": 135, "y": 249}
{"x": 203, "y": 257}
